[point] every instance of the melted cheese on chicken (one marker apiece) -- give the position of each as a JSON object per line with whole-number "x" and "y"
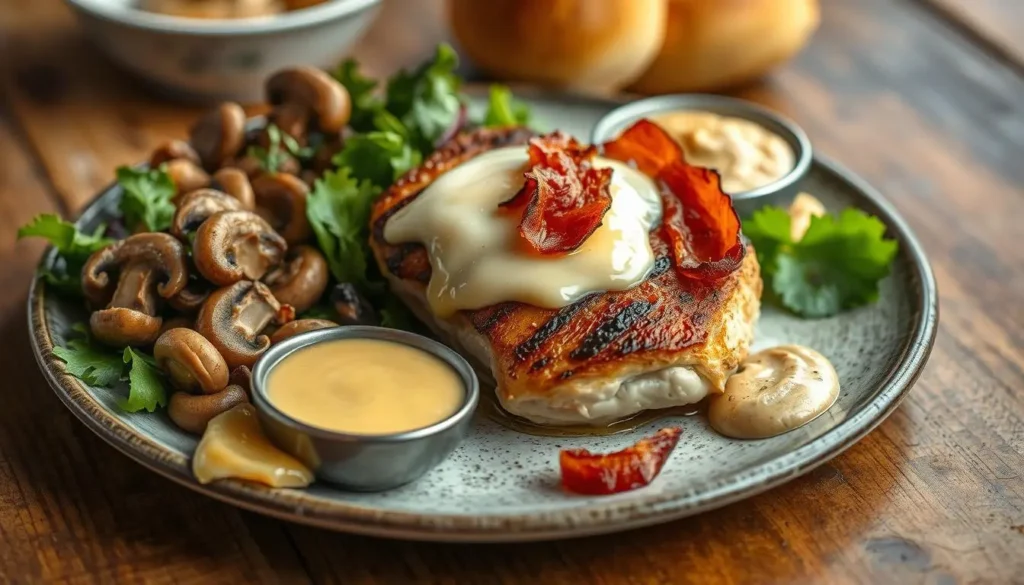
{"x": 476, "y": 254}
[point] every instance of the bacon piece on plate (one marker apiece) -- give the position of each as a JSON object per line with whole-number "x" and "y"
{"x": 564, "y": 197}
{"x": 699, "y": 222}
{"x": 634, "y": 467}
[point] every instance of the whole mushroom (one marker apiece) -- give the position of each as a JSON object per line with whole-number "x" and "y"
{"x": 173, "y": 150}
{"x": 314, "y": 90}
{"x": 300, "y": 326}
{"x": 190, "y": 361}
{"x": 301, "y": 280}
{"x": 196, "y": 207}
{"x": 235, "y": 182}
{"x": 234, "y": 317}
{"x": 186, "y": 175}
{"x": 234, "y": 245}
{"x": 191, "y": 298}
{"x": 218, "y": 135}
{"x": 352, "y": 308}
{"x": 281, "y": 200}
{"x": 147, "y": 266}
{"x": 192, "y": 413}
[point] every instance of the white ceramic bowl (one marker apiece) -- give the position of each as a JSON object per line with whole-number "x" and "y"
{"x": 210, "y": 60}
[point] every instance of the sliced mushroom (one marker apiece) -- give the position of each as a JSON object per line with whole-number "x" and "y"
{"x": 234, "y": 245}
{"x": 314, "y": 90}
{"x": 172, "y": 150}
{"x": 187, "y": 176}
{"x": 192, "y": 413}
{"x": 241, "y": 376}
{"x": 196, "y": 207}
{"x": 301, "y": 280}
{"x": 146, "y": 265}
{"x": 235, "y": 182}
{"x": 300, "y": 326}
{"x": 281, "y": 200}
{"x": 219, "y": 135}
{"x": 234, "y": 317}
{"x": 351, "y": 307}
{"x": 191, "y": 298}
{"x": 190, "y": 361}
{"x": 250, "y": 165}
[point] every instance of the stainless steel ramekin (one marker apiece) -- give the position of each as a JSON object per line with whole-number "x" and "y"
{"x": 779, "y": 192}
{"x": 365, "y": 462}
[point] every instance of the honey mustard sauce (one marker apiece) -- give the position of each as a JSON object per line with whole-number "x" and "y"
{"x": 774, "y": 391}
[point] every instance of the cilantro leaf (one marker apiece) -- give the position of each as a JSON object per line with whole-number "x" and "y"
{"x": 427, "y": 100}
{"x": 90, "y": 364}
{"x": 145, "y": 383}
{"x": 379, "y": 157}
{"x": 504, "y": 110}
{"x": 338, "y": 209}
{"x": 273, "y": 156}
{"x": 835, "y": 266}
{"x": 146, "y": 201}
{"x": 365, "y": 104}
{"x": 73, "y": 249}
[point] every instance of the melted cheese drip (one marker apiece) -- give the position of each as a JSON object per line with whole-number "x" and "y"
{"x": 476, "y": 252}
{"x": 234, "y": 445}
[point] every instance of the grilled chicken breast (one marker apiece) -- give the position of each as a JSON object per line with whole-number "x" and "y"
{"x": 665, "y": 342}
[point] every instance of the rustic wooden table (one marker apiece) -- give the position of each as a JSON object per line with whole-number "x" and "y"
{"x": 925, "y": 98}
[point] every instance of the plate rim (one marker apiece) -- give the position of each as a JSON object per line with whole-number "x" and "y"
{"x": 598, "y": 517}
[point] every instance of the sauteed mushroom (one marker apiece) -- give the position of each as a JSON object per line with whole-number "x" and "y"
{"x": 281, "y": 200}
{"x": 219, "y": 135}
{"x": 301, "y": 280}
{"x": 235, "y": 182}
{"x": 173, "y": 150}
{"x": 292, "y": 119}
{"x": 190, "y": 361}
{"x": 351, "y": 306}
{"x": 194, "y": 208}
{"x": 234, "y": 317}
{"x": 235, "y": 245}
{"x": 186, "y": 175}
{"x": 192, "y": 413}
{"x": 314, "y": 90}
{"x": 180, "y": 322}
{"x": 146, "y": 265}
{"x": 241, "y": 376}
{"x": 300, "y": 326}
{"x": 191, "y": 298}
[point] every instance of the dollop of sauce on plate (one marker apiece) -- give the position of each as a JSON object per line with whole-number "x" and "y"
{"x": 774, "y": 391}
{"x": 745, "y": 154}
{"x": 365, "y": 386}
{"x": 234, "y": 445}
{"x": 476, "y": 254}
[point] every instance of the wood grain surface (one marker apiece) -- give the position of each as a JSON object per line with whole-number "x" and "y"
{"x": 921, "y": 97}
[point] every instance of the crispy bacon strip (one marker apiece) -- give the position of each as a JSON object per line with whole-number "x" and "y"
{"x": 564, "y": 197}
{"x": 699, "y": 221}
{"x": 634, "y": 467}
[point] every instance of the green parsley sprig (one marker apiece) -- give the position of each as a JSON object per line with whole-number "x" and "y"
{"x": 73, "y": 248}
{"x": 146, "y": 202}
{"x": 835, "y": 266}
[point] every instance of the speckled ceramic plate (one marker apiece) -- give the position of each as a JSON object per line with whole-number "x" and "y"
{"x": 503, "y": 486}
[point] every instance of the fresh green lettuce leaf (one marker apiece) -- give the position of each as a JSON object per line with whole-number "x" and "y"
{"x": 145, "y": 383}
{"x": 835, "y": 266}
{"x": 146, "y": 202}
{"x": 504, "y": 110}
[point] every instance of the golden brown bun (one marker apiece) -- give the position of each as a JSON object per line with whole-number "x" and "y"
{"x": 714, "y": 44}
{"x": 583, "y": 44}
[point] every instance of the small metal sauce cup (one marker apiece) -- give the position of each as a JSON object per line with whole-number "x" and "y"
{"x": 365, "y": 462}
{"x": 779, "y": 192}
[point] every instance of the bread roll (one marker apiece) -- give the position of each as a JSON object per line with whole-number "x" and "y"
{"x": 580, "y": 44}
{"x": 715, "y": 44}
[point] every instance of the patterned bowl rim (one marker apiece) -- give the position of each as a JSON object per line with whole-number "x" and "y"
{"x": 638, "y": 509}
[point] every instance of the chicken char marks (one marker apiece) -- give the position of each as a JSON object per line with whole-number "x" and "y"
{"x": 536, "y": 349}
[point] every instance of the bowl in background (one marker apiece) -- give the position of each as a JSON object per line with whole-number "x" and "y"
{"x": 780, "y": 192}
{"x": 206, "y": 60}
